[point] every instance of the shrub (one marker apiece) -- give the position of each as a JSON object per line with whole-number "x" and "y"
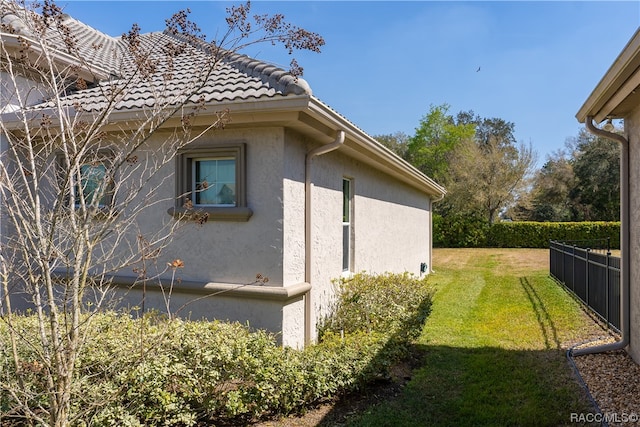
{"x": 459, "y": 231}
{"x": 383, "y": 303}
{"x": 153, "y": 371}
{"x": 392, "y": 306}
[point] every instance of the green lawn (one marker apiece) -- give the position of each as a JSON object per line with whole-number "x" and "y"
{"x": 493, "y": 347}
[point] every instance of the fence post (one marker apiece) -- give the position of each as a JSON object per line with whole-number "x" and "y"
{"x": 586, "y": 276}
{"x": 606, "y": 285}
{"x": 553, "y": 260}
{"x": 573, "y": 268}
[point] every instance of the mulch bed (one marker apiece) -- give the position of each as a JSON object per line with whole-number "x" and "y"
{"x": 613, "y": 380}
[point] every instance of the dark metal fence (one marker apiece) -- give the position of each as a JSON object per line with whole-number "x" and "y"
{"x": 592, "y": 276}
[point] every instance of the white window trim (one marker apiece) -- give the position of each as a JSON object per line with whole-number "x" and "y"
{"x": 193, "y": 183}
{"x": 348, "y": 271}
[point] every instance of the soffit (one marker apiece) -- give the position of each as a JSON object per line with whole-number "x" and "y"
{"x": 617, "y": 93}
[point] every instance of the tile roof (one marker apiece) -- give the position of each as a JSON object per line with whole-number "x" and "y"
{"x": 96, "y": 48}
{"x": 236, "y": 77}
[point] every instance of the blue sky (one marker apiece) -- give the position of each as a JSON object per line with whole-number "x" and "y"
{"x": 386, "y": 62}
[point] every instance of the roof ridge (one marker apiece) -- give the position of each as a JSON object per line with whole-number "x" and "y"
{"x": 253, "y": 67}
{"x": 70, "y": 19}
{"x": 274, "y": 74}
{"x": 16, "y": 20}
{"x": 9, "y": 19}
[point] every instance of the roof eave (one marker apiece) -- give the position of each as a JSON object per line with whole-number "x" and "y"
{"x": 363, "y": 147}
{"x": 307, "y": 114}
{"x": 90, "y": 73}
{"x": 303, "y": 113}
{"x": 618, "y": 84}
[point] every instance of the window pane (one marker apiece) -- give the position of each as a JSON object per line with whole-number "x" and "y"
{"x": 92, "y": 182}
{"x": 214, "y": 181}
{"x": 346, "y": 224}
{"x": 345, "y": 247}
{"x": 346, "y": 198}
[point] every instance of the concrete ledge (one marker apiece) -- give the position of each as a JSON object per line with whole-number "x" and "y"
{"x": 238, "y": 214}
{"x": 234, "y": 290}
{"x": 277, "y": 293}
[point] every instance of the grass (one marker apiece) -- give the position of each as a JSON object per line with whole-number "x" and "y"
{"x": 493, "y": 347}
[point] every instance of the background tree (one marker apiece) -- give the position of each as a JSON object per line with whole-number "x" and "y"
{"x": 397, "y": 142}
{"x": 436, "y": 138}
{"x": 549, "y": 196}
{"x": 75, "y": 189}
{"x": 476, "y": 159}
{"x": 488, "y": 177}
{"x": 581, "y": 183}
{"x": 596, "y": 165}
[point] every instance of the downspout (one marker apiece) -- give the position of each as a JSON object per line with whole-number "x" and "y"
{"x": 307, "y": 225}
{"x": 624, "y": 239}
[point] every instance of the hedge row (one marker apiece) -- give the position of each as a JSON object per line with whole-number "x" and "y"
{"x": 538, "y": 234}
{"x": 460, "y": 231}
{"x": 156, "y": 372}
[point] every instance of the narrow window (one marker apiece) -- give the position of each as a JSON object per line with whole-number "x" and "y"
{"x": 346, "y": 224}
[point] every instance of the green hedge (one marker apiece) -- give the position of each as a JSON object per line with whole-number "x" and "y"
{"x": 538, "y": 234}
{"x": 459, "y": 231}
{"x": 454, "y": 231}
{"x": 152, "y": 371}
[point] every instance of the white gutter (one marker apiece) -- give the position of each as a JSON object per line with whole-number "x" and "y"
{"x": 625, "y": 289}
{"x": 307, "y": 225}
{"x": 615, "y": 84}
{"x": 383, "y": 158}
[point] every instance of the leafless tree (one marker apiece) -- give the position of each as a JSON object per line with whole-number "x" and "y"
{"x": 487, "y": 178}
{"x": 76, "y": 178}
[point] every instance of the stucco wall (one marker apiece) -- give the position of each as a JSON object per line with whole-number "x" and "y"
{"x": 271, "y": 243}
{"x": 260, "y": 314}
{"x": 632, "y": 129}
{"x": 294, "y": 208}
{"x": 227, "y": 251}
{"x": 18, "y": 90}
{"x": 390, "y": 225}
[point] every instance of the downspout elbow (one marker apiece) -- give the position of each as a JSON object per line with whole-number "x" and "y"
{"x": 438, "y": 199}
{"x": 323, "y": 149}
{"x": 625, "y": 267}
{"x": 603, "y": 133}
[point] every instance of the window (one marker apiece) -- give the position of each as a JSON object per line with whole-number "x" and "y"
{"x": 92, "y": 180}
{"x": 346, "y": 224}
{"x": 211, "y": 181}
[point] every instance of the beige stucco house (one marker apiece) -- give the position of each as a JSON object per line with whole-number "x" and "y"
{"x": 306, "y": 196}
{"x": 617, "y": 96}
